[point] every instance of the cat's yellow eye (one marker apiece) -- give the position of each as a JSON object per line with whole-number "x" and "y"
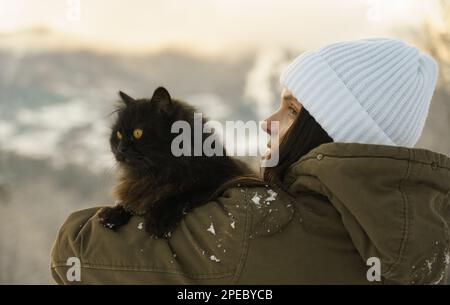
{"x": 137, "y": 133}
{"x": 119, "y": 135}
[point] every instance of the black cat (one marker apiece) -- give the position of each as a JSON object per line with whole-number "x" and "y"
{"x": 153, "y": 182}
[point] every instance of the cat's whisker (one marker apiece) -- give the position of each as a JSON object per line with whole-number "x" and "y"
{"x": 115, "y": 111}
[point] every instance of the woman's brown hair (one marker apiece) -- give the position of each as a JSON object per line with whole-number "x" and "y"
{"x": 304, "y": 135}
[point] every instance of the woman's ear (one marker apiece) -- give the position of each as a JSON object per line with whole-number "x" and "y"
{"x": 128, "y": 100}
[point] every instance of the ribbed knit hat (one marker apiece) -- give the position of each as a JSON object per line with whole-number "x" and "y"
{"x": 373, "y": 91}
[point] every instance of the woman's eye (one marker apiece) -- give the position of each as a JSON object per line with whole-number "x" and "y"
{"x": 119, "y": 135}
{"x": 137, "y": 133}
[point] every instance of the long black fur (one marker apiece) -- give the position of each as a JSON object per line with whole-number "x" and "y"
{"x": 153, "y": 182}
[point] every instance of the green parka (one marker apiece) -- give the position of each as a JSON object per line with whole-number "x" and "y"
{"x": 341, "y": 205}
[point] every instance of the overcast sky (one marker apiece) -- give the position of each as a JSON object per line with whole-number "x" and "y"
{"x": 214, "y": 25}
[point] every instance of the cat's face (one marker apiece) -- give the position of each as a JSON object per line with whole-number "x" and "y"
{"x": 141, "y": 137}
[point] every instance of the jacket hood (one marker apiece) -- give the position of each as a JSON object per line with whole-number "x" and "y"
{"x": 394, "y": 203}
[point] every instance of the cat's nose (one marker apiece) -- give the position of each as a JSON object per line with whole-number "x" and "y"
{"x": 121, "y": 147}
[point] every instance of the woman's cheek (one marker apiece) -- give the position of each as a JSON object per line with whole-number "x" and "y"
{"x": 287, "y": 122}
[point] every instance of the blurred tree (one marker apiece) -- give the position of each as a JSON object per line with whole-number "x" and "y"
{"x": 434, "y": 38}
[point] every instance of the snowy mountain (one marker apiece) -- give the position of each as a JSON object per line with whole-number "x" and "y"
{"x": 56, "y": 102}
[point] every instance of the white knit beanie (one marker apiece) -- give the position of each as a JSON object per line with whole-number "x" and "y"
{"x": 373, "y": 91}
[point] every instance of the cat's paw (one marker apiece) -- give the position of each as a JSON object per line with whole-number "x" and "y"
{"x": 113, "y": 217}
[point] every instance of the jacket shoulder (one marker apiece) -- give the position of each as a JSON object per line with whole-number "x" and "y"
{"x": 207, "y": 246}
{"x": 394, "y": 203}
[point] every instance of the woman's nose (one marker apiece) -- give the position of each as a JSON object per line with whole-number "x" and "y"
{"x": 266, "y": 124}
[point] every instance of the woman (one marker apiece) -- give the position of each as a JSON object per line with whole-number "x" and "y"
{"x": 350, "y": 201}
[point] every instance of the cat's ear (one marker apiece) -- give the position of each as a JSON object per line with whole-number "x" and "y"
{"x": 162, "y": 97}
{"x": 128, "y": 100}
